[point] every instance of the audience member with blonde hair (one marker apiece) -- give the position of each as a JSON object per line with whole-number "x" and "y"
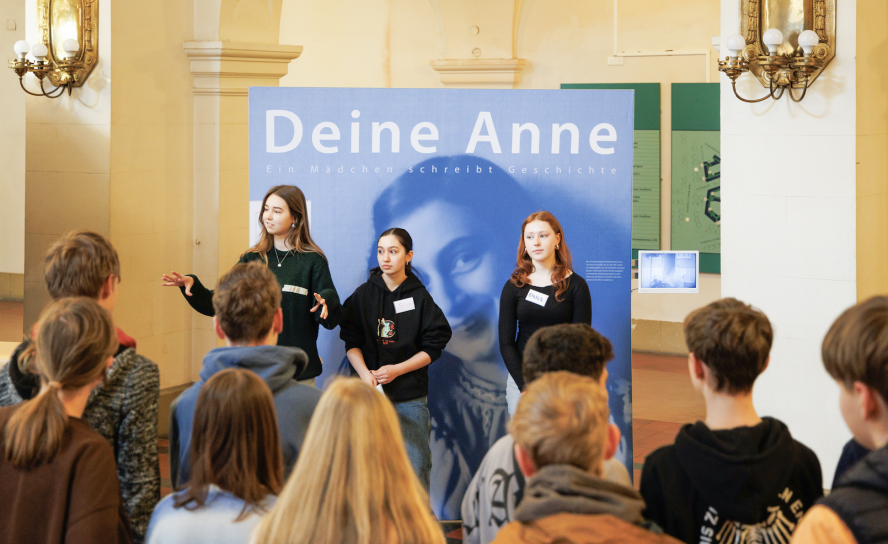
{"x": 353, "y": 483}
{"x": 562, "y": 439}
{"x": 58, "y": 476}
{"x": 237, "y": 470}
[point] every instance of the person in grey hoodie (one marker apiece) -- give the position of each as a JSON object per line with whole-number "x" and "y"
{"x": 247, "y": 302}
{"x": 562, "y": 439}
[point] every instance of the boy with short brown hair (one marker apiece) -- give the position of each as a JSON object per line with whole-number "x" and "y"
{"x": 247, "y": 303}
{"x": 855, "y": 354}
{"x": 734, "y": 473}
{"x": 123, "y": 409}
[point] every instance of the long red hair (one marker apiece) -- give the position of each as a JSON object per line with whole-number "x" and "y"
{"x": 563, "y": 265}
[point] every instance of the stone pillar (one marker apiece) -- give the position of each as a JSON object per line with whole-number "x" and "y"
{"x": 223, "y": 73}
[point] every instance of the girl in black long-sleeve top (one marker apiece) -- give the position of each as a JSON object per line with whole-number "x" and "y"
{"x": 542, "y": 291}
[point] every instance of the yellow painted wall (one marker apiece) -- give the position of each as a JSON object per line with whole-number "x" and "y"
{"x": 12, "y": 153}
{"x": 151, "y": 171}
{"x": 389, "y": 43}
{"x": 872, "y": 149}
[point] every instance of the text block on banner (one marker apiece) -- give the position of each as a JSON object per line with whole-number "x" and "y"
{"x": 460, "y": 170}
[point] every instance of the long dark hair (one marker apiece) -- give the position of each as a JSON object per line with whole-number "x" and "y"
{"x": 75, "y": 338}
{"x": 235, "y": 442}
{"x": 299, "y": 237}
{"x": 406, "y": 242}
{"x": 563, "y": 264}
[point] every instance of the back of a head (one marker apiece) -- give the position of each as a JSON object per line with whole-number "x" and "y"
{"x": 245, "y": 301}
{"x": 733, "y": 340}
{"x": 353, "y": 481}
{"x": 75, "y": 338}
{"x": 562, "y": 419}
{"x": 78, "y": 264}
{"x": 234, "y": 442}
{"x": 576, "y": 348}
{"x": 855, "y": 348}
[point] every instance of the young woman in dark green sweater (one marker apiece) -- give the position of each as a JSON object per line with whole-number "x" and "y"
{"x": 309, "y": 296}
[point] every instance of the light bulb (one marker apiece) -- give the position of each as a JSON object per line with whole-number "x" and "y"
{"x": 808, "y": 39}
{"x": 735, "y": 44}
{"x": 39, "y": 51}
{"x": 773, "y": 38}
{"x": 21, "y": 49}
{"x": 71, "y": 47}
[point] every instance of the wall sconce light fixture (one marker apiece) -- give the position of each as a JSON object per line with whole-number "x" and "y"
{"x": 69, "y": 29}
{"x": 777, "y": 63}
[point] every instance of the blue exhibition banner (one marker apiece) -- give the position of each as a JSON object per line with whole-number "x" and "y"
{"x": 460, "y": 170}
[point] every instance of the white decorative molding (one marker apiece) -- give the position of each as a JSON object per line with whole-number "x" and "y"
{"x": 231, "y": 68}
{"x": 479, "y": 72}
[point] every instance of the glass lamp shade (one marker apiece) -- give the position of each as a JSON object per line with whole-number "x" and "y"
{"x": 807, "y": 40}
{"x": 39, "y": 51}
{"x": 71, "y": 48}
{"x": 735, "y": 44}
{"x": 773, "y": 38}
{"x": 21, "y": 48}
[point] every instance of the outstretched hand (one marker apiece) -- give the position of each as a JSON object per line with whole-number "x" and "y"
{"x": 174, "y": 279}
{"x": 321, "y": 304}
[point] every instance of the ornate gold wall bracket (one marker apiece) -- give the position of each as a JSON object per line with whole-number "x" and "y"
{"x": 791, "y": 17}
{"x": 68, "y": 46}
{"x": 60, "y": 20}
{"x": 779, "y": 63}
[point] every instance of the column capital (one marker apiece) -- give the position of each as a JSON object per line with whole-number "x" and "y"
{"x": 231, "y": 68}
{"x": 496, "y": 73}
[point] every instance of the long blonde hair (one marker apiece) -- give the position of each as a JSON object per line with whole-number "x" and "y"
{"x": 75, "y": 338}
{"x": 353, "y": 483}
{"x": 299, "y": 237}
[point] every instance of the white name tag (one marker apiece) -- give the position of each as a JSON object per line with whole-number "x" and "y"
{"x": 295, "y": 289}
{"x": 404, "y": 305}
{"x": 536, "y": 297}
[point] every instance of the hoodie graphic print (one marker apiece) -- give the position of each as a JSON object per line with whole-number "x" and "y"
{"x": 740, "y": 486}
{"x": 390, "y": 327}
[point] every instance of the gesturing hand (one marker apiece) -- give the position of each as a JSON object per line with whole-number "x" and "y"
{"x": 321, "y": 304}
{"x": 385, "y": 374}
{"x": 174, "y": 279}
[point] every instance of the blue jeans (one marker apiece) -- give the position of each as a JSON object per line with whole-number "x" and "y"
{"x": 416, "y": 426}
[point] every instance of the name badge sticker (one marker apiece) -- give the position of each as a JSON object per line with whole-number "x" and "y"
{"x": 295, "y": 289}
{"x": 404, "y": 305}
{"x": 536, "y": 297}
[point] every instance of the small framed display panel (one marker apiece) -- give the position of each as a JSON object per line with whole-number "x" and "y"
{"x": 668, "y": 271}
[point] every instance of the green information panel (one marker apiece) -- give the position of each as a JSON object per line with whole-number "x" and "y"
{"x": 696, "y": 172}
{"x": 646, "y": 161}
{"x": 696, "y": 191}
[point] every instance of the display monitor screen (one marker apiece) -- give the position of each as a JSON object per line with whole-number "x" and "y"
{"x": 668, "y": 271}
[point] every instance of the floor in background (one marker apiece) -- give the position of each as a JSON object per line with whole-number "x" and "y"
{"x": 663, "y": 401}
{"x": 11, "y": 319}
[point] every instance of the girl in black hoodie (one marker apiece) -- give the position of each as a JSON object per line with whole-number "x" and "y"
{"x": 392, "y": 331}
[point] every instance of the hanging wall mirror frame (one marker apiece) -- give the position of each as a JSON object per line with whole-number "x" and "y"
{"x": 60, "y": 20}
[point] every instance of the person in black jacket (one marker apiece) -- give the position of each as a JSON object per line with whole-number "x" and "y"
{"x": 392, "y": 331}
{"x": 855, "y": 355}
{"x": 735, "y": 477}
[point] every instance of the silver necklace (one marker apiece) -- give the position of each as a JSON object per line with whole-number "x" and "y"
{"x": 280, "y": 262}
